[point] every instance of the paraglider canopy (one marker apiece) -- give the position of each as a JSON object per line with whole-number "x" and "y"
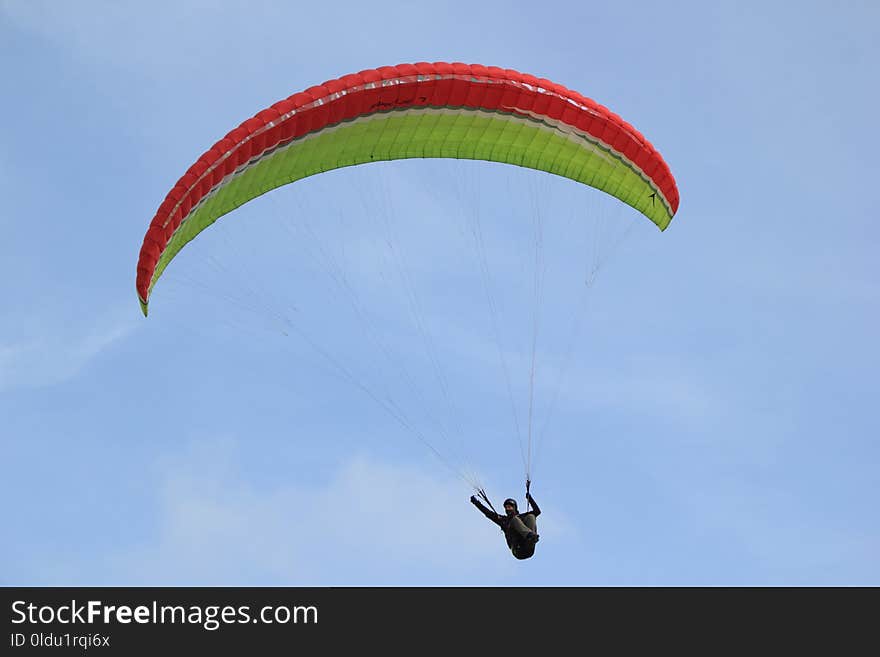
{"x": 422, "y": 110}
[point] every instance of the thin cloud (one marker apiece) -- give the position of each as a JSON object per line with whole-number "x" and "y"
{"x": 370, "y": 523}
{"x": 59, "y": 353}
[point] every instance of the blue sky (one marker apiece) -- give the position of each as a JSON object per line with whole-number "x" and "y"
{"x": 715, "y": 425}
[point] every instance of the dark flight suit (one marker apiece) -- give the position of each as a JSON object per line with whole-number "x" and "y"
{"x": 515, "y": 527}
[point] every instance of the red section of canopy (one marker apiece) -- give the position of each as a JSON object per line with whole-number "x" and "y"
{"x": 470, "y": 86}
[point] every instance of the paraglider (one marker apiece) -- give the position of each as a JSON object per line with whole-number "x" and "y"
{"x": 423, "y": 110}
{"x": 520, "y": 529}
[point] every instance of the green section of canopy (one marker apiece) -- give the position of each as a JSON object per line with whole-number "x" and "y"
{"x": 422, "y": 133}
